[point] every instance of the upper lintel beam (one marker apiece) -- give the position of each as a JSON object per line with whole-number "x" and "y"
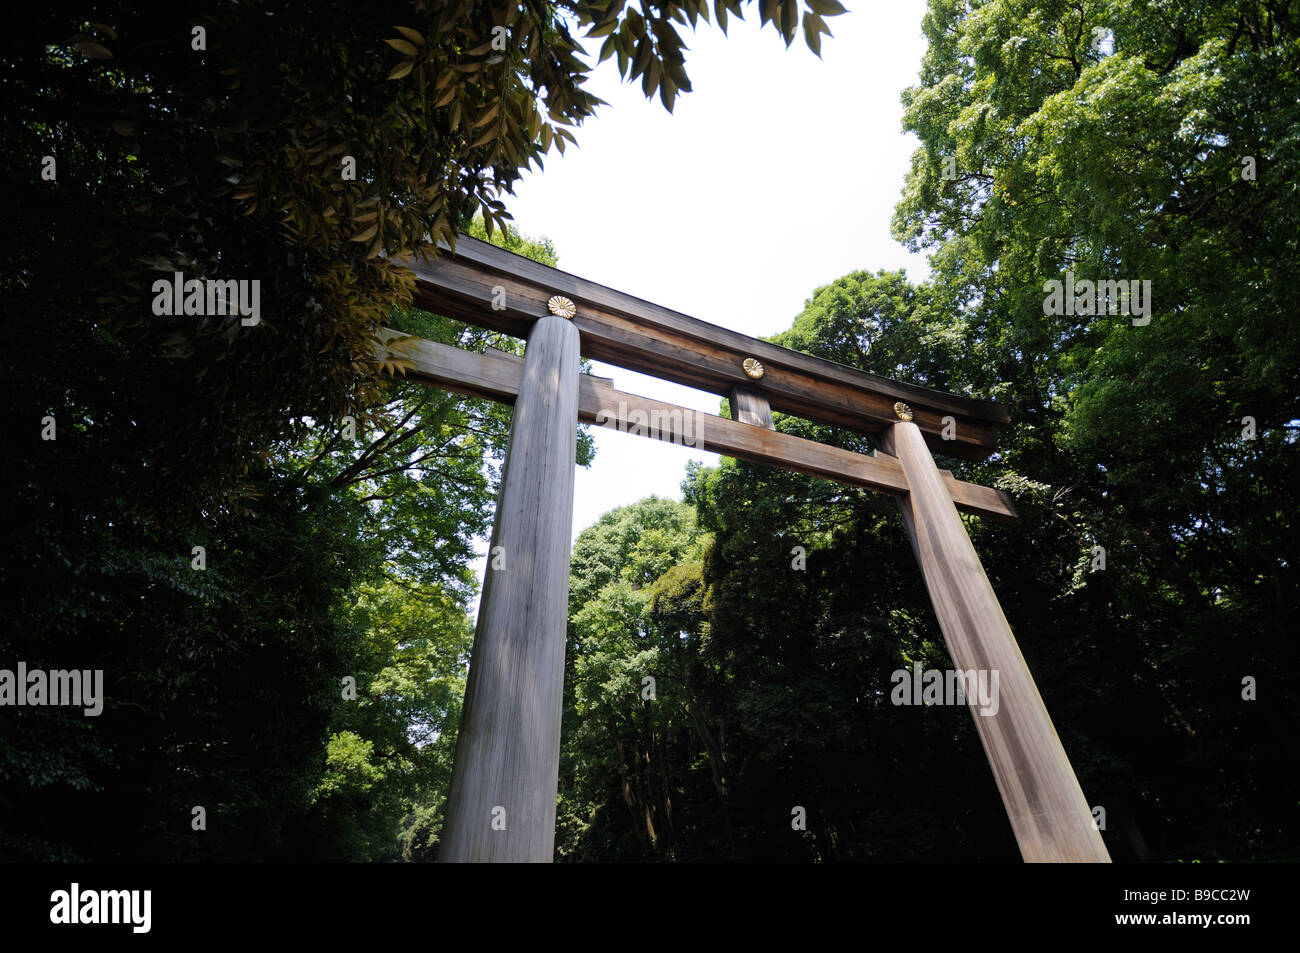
{"x": 629, "y": 332}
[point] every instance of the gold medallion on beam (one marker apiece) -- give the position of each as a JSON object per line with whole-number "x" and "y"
{"x": 904, "y": 412}
{"x": 753, "y": 368}
{"x": 561, "y": 307}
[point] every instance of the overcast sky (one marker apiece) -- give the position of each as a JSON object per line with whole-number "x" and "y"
{"x": 776, "y": 175}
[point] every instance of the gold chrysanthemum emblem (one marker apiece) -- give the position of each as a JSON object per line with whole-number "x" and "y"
{"x": 561, "y": 307}
{"x": 753, "y": 368}
{"x": 904, "y": 412}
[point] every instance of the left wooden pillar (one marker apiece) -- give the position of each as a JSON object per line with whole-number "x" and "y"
{"x": 501, "y": 807}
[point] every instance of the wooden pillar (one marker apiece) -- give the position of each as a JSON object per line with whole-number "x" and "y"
{"x": 501, "y": 807}
{"x": 1049, "y": 815}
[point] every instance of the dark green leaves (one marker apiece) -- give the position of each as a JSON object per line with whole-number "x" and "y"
{"x": 650, "y": 49}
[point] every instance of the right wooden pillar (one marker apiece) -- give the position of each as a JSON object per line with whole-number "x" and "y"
{"x": 1049, "y": 815}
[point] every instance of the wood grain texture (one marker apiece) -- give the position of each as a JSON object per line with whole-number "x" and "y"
{"x": 508, "y": 750}
{"x": 497, "y": 376}
{"x": 641, "y": 336}
{"x": 1049, "y": 814}
{"x": 750, "y": 408}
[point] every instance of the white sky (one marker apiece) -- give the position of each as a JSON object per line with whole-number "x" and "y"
{"x": 776, "y": 175}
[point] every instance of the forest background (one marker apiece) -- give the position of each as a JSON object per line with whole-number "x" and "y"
{"x": 335, "y": 508}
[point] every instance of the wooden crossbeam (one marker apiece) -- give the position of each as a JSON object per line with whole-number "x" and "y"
{"x": 508, "y": 750}
{"x": 493, "y": 288}
{"x": 496, "y": 375}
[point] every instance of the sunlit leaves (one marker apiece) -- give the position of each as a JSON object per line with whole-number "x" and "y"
{"x": 1108, "y": 139}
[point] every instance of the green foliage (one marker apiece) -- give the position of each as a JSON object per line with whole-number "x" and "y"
{"x": 626, "y": 755}
{"x": 812, "y": 602}
{"x": 218, "y": 682}
{"x": 234, "y": 158}
{"x": 306, "y": 150}
{"x": 805, "y": 599}
{"x": 1132, "y": 158}
{"x": 348, "y": 556}
{"x": 1109, "y": 139}
{"x": 1120, "y": 158}
{"x": 393, "y": 750}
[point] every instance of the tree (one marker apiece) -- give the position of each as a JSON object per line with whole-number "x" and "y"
{"x": 301, "y": 153}
{"x": 633, "y": 728}
{"x": 305, "y": 152}
{"x": 225, "y": 671}
{"x": 813, "y": 603}
{"x": 1147, "y": 143}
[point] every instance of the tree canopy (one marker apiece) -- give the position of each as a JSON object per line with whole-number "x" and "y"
{"x": 267, "y": 542}
{"x": 231, "y": 516}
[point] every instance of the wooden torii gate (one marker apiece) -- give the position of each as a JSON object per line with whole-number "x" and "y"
{"x": 502, "y": 802}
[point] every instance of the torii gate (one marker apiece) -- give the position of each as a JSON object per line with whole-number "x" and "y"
{"x": 502, "y": 802}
